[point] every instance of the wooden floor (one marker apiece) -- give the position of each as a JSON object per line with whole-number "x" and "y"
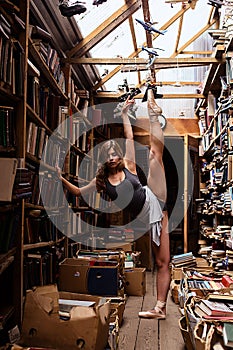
{"x": 142, "y": 334}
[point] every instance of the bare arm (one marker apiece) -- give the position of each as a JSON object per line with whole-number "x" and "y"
{"x": 129, "y": 142}
{"x": 91, "y": 187}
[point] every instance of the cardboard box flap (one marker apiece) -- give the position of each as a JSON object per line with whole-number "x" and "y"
{"x": 82, "y": 312}
{"x": 46, "y": 303}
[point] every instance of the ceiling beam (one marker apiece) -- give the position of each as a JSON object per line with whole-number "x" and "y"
{"x": 134, "y": 40}
{"x": 111, "y": 23}
{"x": 112, "y": 95}
{"x": 196, "y": 52}
{"x": 179, "y": 32}
{"x": 187, "y": 61}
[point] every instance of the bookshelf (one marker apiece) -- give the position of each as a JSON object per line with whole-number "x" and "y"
{"x": 43, "y": 108}
{"x": 214, "y": 205}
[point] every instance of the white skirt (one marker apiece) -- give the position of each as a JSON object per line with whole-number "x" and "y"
{"x": 152, "y": 215}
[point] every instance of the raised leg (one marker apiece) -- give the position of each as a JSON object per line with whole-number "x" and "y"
{"x": 156, "y": 176}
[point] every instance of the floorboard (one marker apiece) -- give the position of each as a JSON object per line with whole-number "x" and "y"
{"x": 142, "y": 334}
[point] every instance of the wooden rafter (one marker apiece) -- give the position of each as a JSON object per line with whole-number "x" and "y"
{"x": 105, "y": 28}
{"x": 134, "y": 40}
{"x": 113, "y": 95}
{"x": 186, "y": 52}
{"x": 169, "y": 61}
{"x": 179, "y": 32}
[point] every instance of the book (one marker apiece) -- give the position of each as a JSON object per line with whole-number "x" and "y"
{"x": 228, "y": 334}
{"x": 38, "y": 32}
{"x": 67, "y": 304}
{"x": 215, "y": 308}
{"x": 8, "y": 166}
{"x": 227, "y": 281}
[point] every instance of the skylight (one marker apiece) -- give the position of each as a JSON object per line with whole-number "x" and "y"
{"x": 119, "y": 42}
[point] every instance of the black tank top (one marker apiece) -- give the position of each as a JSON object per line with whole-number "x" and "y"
{"x": 129, "y": 195}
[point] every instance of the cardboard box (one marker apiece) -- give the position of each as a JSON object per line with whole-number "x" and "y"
{"x": 125, "y": 246}
{"x": 87, "y": 328}
{"x": 117, "y": 309}
{"x": 78, "y": 276}
{"x": 174, "y": 290}
{"x": 135, "y": 281}
{"x": 176, "y": 273}
{"x": 185, "y": 333}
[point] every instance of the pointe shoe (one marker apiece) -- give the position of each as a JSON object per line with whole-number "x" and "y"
{"x": 154, "y": 313}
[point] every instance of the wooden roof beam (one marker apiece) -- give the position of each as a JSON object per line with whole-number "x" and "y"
{"x": 111, "y": 23}
{"x": 112, "y": 95}
{"x": 169, "y": 61}
{"x": 179, "y": 32}
{"x": 133, "y": 35}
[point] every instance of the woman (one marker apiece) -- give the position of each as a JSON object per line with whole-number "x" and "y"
{"x": 117, "y": 176}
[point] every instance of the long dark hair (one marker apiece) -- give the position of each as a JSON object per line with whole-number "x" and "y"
{"x": 103, "y": 171}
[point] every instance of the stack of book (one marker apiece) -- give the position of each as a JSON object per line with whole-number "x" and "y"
{"x": 22, "y": 184}
{"x": 212, "y": 309}
{"x": 184, "y": 260}
{"x": 229, "y": 258}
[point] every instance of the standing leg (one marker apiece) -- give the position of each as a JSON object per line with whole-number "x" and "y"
{"x": 162, "y": 259}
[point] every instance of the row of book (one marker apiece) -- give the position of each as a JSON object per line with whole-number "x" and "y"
{"x": 11, "y": 59}
{"x": 39, "y": 227}
{"x": 36, "y": 140}
{"x": 55, "y": 148}
{"x": 49, "y": 55}
{"x": 211, "y": 284}
{"x": 41, "y": 267}
{"x": 80, "y": 166}
{"x": 49, "y": 191}
{"x": 42, "y": 43}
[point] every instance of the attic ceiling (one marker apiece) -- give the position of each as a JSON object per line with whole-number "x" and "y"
{"x": 105, "y": 43}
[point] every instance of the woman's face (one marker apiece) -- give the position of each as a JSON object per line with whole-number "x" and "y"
{"x": 112, "y": 159}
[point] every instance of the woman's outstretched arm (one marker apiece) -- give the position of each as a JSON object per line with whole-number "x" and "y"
{"x": 128, "y": 133}
{"x": 91, "y": 187}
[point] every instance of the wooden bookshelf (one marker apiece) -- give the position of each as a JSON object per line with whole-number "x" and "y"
{"x": 36, "y": 88}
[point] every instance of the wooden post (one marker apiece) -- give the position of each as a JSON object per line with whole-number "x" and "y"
{"x": 185, "y": 229}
